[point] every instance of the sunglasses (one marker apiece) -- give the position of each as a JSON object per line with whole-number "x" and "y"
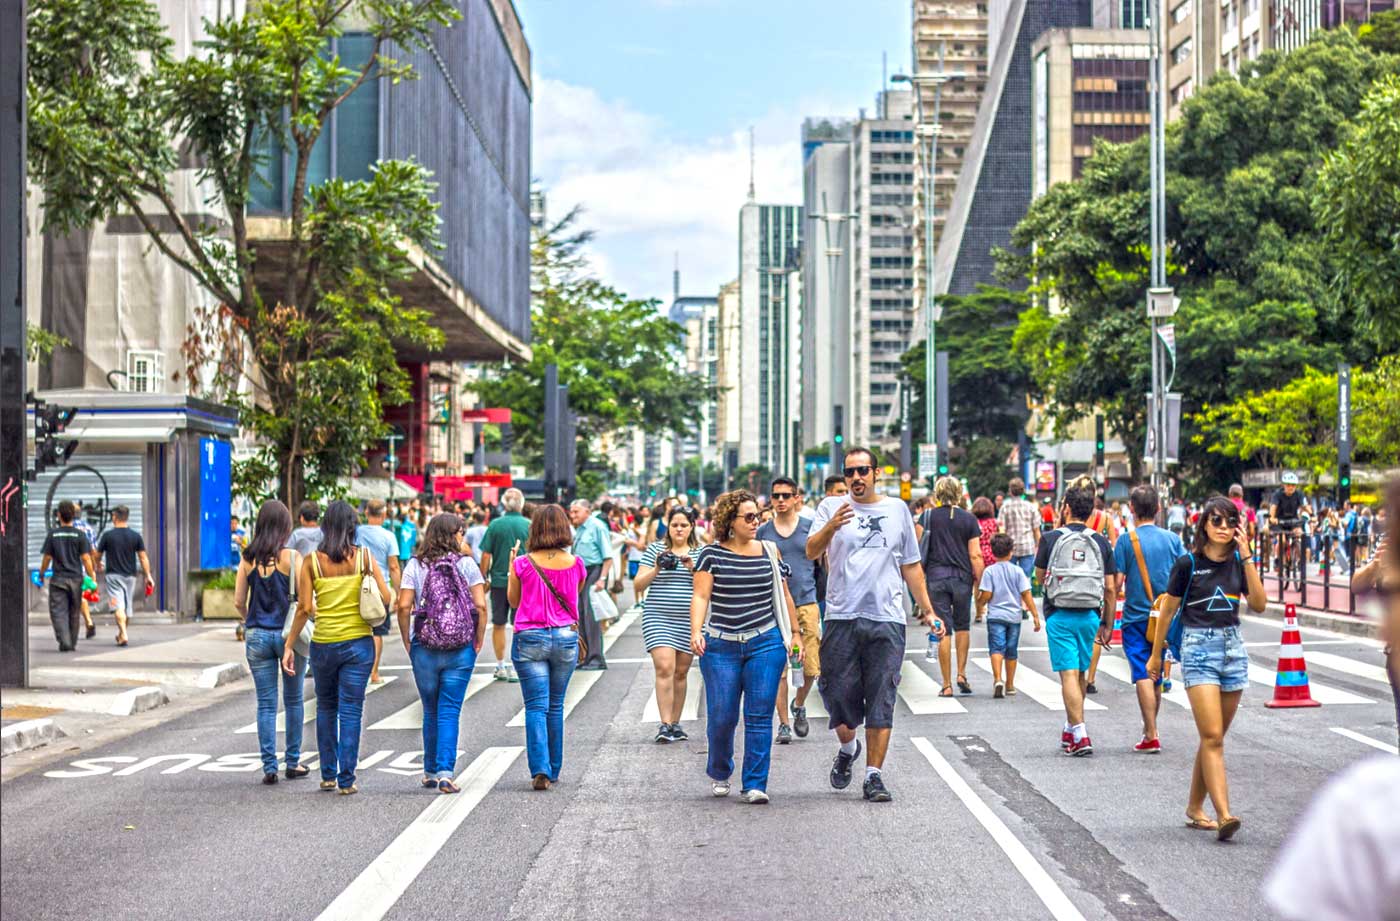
{"x": 1220, "y": 521}
{"x": 751, "y": 517}
{"x": 862, "y": 470}
{"x": 780, "y": 496}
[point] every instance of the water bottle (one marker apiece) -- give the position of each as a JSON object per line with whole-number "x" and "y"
{"x": 795, "y": 666}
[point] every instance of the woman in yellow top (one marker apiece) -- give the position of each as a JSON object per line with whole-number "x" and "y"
{"x": 342, "y": 649}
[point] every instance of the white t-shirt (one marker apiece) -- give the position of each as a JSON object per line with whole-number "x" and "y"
{"x": 1343, "y": 861}
{"x": 1006, "y": 581}
{"x": 864, "y": 557}
{"x": 414, "y": 572}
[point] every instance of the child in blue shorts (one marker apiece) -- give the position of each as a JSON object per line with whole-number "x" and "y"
{"x": 1004, "y": 588}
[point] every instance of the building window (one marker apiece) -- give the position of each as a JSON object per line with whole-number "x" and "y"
{"x": 1182, "y": 52}
{"x": 1180, "y": 13}
{"x": 145, "y": 371}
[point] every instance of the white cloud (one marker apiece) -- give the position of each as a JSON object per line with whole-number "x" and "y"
{"x": 648, "y": 194}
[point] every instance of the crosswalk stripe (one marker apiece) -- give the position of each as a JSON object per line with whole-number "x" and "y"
{"x": 1345, "y": 664}
{"x": 374, "y": 892}
{"x": 1312, "y": 631}
{"x": 920, "y": 692}
{"x": 1321, "y": 693}
{"x": 578, "y": 689}
{"x": 310, "y": 712}
{"x": 690, "y": 710}
{"x": 1118, "y": 668}
{"x": 619, "y": 627}
{"x": 1366, "y": 740}
{"x": 1037, "y": 687}
{"x": 411, "y": 717}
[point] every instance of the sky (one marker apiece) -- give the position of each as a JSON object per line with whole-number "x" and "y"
{"x": 642, "y": 110}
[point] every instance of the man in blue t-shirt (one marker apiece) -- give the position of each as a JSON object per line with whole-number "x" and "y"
{"x": 789, "y": 532}
{"x": 380, "y": 543}
{"x": 1159, "y": 551}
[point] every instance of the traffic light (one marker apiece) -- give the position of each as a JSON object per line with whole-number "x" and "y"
{"x": 49, "y": 423}
{"x": 1098, "y": 440}
{"x": 942, "y": 468}
{"x": 1343, "y": 483}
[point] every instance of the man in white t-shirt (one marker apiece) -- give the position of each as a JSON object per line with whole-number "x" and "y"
{"x": 873, "y": 556}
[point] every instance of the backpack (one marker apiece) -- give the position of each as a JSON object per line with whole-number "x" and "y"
{"x": 446, "y": 614}
{"x": 1074, "y": 576}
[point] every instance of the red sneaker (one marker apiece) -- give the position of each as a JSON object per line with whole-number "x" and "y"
{"x": 1149, "y": 747}
{"x": 1066, "y": 739}
{"x": 1081, "y": 748}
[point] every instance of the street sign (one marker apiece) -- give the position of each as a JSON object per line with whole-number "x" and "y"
{"x": 1343, "y": 414}
{"x": 906, "y": 489}
{"x": 486, "y": 415}
{"x": 928, "y": 460}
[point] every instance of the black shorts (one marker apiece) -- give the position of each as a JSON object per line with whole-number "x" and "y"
{"x": 952, "y": 602}
{"x": 861, "y": 660}
{"x": 501, "y": 611}
{"x": 384, "y": 628}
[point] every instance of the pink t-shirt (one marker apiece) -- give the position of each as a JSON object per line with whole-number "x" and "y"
{"x": 538, "y": 606}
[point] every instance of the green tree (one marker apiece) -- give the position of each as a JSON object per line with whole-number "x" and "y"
{"x": 1357, "y": 207}
{"x": 616, "y": 354}
{"x": 113, "y": 113}
{"x": 1381, "y": 33}
{"x": 986, "y": 389}
{"x": 985, "y": 466}
{"x": 753, "y": 477}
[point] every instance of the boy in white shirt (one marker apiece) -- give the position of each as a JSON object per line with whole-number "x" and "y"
{"x": 1006, "y": 586}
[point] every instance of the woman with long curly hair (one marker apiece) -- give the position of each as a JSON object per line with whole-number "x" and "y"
{"x": 735, "y": 630}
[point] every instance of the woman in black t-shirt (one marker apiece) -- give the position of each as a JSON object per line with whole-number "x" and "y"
{"x": 1206, "y": 586}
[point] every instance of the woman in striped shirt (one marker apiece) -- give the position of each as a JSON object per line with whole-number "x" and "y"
{"x": 740, "y": 645}
{"x": 665, "y": 575}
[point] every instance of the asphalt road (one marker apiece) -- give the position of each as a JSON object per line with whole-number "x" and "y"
{"x": 990, "y": 820}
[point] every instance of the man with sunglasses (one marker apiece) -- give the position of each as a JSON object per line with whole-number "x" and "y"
{"x": 873, "y": 556}
{"x": 789, "y": 531}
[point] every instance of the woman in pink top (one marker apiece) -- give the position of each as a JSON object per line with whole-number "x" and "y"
{"x": 544, "y": 591}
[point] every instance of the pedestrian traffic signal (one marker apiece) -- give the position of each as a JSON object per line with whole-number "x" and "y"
{"x": 1344, "y": 483}
{"x": 840, "y": 438}
{"x": 942, "y": 469}
{"x": 1098, "y": 440}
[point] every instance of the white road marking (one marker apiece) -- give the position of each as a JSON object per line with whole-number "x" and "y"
{"x": 578, "y": 688}
{"x": 411, "y": 717}
{"x": 1050, "y": 893}
{"x": 1320, "y": 692}
{"x": 1345, "y": 664}
{"x": 920, "y": 692}
{"x": 1312, "y": 631}
{"x": 1366, "y": 740}
{"x": 370, "y": 896}
{"x": 1118, "y": 668}
{"x": 690, "y": 710}
{"x": 310, "y": 703}
{"x": 1044, "y": 691}
{"x": 620, "y": 626}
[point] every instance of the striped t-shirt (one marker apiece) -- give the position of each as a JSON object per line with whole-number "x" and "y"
{"x": 742, "y": 597}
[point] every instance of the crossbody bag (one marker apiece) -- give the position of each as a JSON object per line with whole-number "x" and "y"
{"x": 571, "y": 609}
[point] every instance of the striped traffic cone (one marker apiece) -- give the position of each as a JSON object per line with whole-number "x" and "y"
{"x": 1118, "y": 623}
{"x": 1291, "y": 683}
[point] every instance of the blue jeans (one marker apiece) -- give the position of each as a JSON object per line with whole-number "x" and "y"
{"x": 544, "y": 659}
{"x": 341, "y": 671}
{"x": 1003, "y": 638}
{"x": 441, "y": 676}
{"x": 263, "y": 648}
{"x": 754, "y": 669}
{"x": 1027, "y": 564}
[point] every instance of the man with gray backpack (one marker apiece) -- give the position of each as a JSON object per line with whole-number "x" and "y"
{"x": 1075, "y": 566}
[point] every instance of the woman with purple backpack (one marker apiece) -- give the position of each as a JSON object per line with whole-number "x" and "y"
{"x": 442, "y": 619}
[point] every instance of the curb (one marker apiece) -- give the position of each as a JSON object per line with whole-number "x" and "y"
{"x": 1337, "y": 623}
{"x": 138, "y": 699}
{"x": 29, "y": 734}
{"x": 217, "y": 675}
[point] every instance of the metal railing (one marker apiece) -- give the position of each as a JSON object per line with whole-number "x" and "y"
{"x": 1285, "y": 563}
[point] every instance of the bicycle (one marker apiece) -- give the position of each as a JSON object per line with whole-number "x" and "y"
{"x": 1292, "y": 560}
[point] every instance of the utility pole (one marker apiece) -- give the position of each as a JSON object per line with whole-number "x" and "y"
{"x": 14, "y": 621}
{"x": 1161, "y": 304}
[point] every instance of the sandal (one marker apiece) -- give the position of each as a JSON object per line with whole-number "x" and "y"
{"x": 1227, "y": 829}
{"x": 963, "y": 686}
{"x": 447, "y": 786}
{"x": 947, "y": 691}
{"x": 429, "y": 782}
{"x": 1201, "y": 824}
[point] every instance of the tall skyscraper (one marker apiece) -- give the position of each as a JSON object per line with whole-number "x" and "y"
{"x": 728, "y": 411}
{"x": 769, "y": 236}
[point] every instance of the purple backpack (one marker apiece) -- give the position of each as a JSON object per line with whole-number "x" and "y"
{"x": 446, "y": 614}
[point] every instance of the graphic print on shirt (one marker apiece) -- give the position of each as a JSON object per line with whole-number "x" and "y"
{"x": 1221, "y": 601}
{"x": 871, "y": 525}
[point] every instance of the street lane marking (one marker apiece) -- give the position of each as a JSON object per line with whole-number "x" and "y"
{"x": 1345, "y": 664}
{"x": 1320, "y": 692}
{"x": 920, "y": 692}
{"x": 1313, "y": 631}
{"x": 690, "y": 710}
{"x": 1044, "y": 691}
{"x": 370, "y": 896}
{"x": 411, "y": 717}
{"x": 1050, "y": 893}
{"x": 619, "y": 627}
{"x": 578, "y": 688}
{"x": 1366, "y": 740}
{"x": 310, "y": 704}
{"x": 1118, "y": 668}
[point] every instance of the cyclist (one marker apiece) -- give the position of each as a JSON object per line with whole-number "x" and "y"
{"x": 1285, "y": 518}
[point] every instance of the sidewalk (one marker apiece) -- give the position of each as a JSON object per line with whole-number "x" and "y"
{"x": 97, "y": 690}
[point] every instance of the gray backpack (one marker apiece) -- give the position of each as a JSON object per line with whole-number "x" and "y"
{"x": 1074, "y": 576}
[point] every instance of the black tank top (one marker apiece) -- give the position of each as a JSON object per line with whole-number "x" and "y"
{"x": 268, "y": 599}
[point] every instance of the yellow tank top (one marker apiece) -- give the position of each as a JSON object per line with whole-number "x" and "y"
{"x": 338, "y": 605}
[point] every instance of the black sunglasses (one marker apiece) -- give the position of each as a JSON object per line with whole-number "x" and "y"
{"x": 862, "y": 470}
{"x": 783, "y": 495}
{"x": 1220, "y": 521}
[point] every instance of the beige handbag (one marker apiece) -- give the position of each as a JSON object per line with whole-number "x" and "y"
{"x": 372, "y": 608}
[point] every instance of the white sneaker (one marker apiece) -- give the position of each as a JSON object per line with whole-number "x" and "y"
{"x": 754, "y": 798}
{"x": 719, "y": 787}
{"x": 931, "y": 654}
{"x": 501, "y": 674}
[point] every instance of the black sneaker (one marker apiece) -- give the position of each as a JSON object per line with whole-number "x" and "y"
{"x": 799, "y": 721}
{"x": 1090, "y": 689}
{"x": 677, "y": 733}
{"x": 663, "y": 734}
{"x": 875, "y": 789}
{"x": 784, "y": 734}
{"x": 841, "y": 768}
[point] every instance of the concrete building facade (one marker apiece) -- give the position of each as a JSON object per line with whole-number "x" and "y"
{"x": 769, "y": 236}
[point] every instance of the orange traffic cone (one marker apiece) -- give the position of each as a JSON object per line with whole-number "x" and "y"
{"x": 1118, "y": 623}
{"x": 1291, "y": 683}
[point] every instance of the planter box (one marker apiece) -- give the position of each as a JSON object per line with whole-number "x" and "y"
{"x": 218, "y": 604}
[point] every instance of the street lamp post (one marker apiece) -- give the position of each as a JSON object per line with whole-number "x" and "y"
{"x": 1160, "y": 300}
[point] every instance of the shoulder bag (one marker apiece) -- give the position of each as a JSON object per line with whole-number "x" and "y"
{"x": 570, "y": 608}
{"x": 302, "y": 644}
{"x": 372, "y": 609}
{"x": 780, "y": 611}
{"x": 1153, "y": 598}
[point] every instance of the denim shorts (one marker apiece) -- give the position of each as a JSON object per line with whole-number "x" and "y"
{"x": 1214, "y": 655}
{"x": 1003, "y": 638}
